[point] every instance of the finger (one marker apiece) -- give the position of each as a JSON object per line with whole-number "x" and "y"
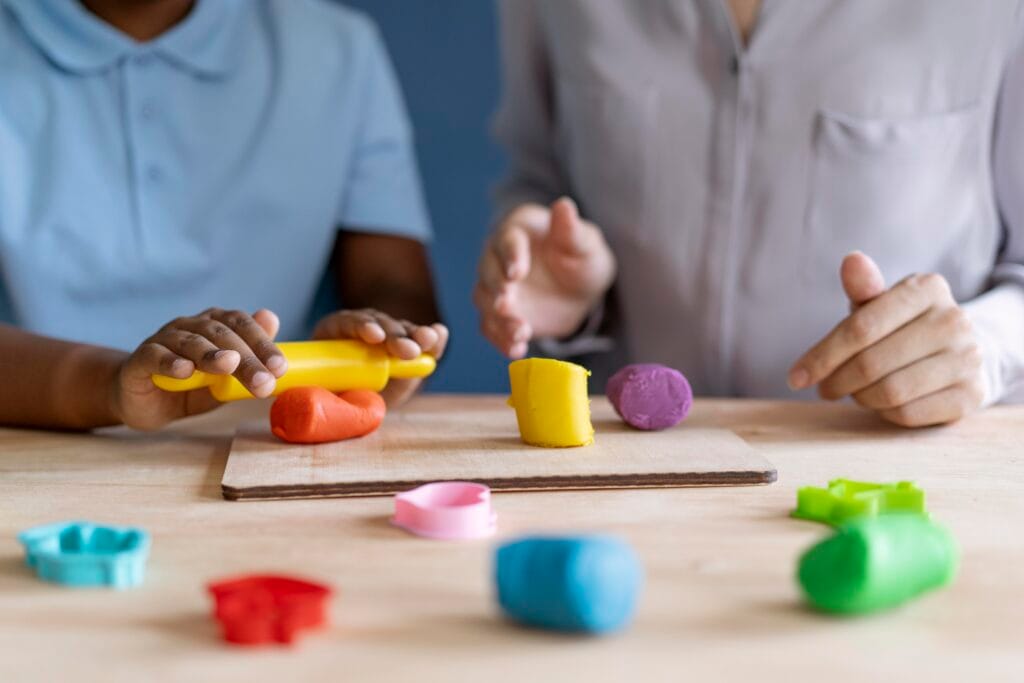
{"x": 359, "y": 325}
{"x": 491, "y": 272}
{"x": 152, "y": 358}
{"x": 268, "y": 320}
{"x": 927, "y": 376}
{"x": 870, "y": 323}
{"x": 442, "y": 340}
{"x": 944, "y": 406}
{"x": 424, "y": 335}
{"x": 937, "y": 329}
{"x": 861, "y": 277}
{"x": 506, "y": 333}
{"x": 251, "y": 371}
{"x": 256, "y": 338}
{"x": 501, "y": 307}
{"x": 518, "y": 350}
{"x": 512, "y": 249}
{"x": 566, "y": 230}
{"x": 195, "y": 347}
{"x": 397, "y": 340}
{"x": 484, "y": 299}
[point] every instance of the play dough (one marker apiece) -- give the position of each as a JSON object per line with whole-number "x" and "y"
{"x": 315, "y": 415}
{"x": 873, "y": 563}
{"x": 581, "y": 583}
{"x": 550, "y": 398}
{"x": 650, "y": 396}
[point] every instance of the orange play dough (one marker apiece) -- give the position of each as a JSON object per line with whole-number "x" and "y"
{"x": 315, "y": 415}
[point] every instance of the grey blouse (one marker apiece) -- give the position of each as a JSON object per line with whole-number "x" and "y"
{"x": 731, "y": 181}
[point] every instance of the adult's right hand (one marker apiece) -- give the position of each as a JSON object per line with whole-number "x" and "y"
{"x": 542, "y": 271}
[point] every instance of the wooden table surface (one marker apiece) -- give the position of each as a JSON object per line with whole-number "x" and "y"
{"x": 720, "y": 601}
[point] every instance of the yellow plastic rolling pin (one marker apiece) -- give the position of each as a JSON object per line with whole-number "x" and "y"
{"x": 334, "y": 365}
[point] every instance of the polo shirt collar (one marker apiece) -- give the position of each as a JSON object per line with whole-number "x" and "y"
{"x": 78, "y": 41}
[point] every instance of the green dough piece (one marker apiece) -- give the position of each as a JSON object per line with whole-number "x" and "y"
{"x": 845, "y": 499}
{"x": 873, "y": 563}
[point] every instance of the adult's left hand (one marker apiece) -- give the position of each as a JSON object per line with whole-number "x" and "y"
{"x": 907, "y": 352}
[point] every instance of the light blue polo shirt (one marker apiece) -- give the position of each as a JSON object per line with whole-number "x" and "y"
{"x": 209, "y": 167}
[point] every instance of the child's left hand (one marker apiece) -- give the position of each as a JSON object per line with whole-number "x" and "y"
{"x": 401, "y": 338}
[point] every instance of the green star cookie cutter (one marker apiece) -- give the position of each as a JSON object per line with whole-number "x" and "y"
{"x": 845, "y": 499}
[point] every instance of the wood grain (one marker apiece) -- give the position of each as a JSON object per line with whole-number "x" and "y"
{"x": 720, "y": 602}
{"x": 480, "y": 443}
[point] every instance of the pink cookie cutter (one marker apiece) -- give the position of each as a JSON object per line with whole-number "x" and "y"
{"x": 446, "y": 510}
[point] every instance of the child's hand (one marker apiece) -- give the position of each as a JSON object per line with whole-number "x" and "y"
{"x": 215, "y": 341}
{"x": 401, "y": 338}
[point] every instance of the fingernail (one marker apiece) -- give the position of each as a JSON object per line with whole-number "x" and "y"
{"x": 275, "y": 363}
{"x": 180, "y": 365}
{"x": 261, "y": 378}
{"x": 799, "y": 378}
{"x": 221, "y": 354}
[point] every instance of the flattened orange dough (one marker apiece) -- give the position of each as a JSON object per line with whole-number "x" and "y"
{"x": 315, "y": 415}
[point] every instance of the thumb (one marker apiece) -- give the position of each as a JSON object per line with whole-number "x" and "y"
{"x": 862, "y": 279}
{"x": 566, "y": 233}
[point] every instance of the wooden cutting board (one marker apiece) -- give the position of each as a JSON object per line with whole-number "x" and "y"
{"x": 421, "y": 444}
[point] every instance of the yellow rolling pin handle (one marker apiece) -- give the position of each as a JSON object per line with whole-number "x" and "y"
{"x": 337, "y": 365}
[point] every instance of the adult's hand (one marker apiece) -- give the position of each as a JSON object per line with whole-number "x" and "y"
{"x": 542, "y": 271}
{"x": 907, "y": 352}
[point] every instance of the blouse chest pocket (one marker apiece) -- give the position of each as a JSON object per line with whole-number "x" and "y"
{"x": 907, "y": 192}
{"x": 603, "y": 133}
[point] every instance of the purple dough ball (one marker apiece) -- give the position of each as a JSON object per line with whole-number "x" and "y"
{"x": 650, "y": 396}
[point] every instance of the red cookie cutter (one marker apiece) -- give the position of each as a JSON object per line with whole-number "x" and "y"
{"x": 259, "y": 609}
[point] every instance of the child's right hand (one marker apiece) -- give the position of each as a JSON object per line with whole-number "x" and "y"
{"x": 215, "y": 341}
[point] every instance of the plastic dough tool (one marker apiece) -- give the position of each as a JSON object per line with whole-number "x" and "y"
{"x": 338, "y": 365}
{"x": 86, "y": 554}
{"x": 260, "y": 609}
{"x": 845, "y": 499}
{"x": 446, "y": 510}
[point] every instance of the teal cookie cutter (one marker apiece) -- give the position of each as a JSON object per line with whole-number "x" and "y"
{"x": 86, "y": 554}
{"x": 845, "y": 499}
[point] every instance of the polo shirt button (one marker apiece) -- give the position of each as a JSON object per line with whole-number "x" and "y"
{"x": 142, "y": 60}
{"x": 154, "y": 174}
{"x": 148, "y": 110}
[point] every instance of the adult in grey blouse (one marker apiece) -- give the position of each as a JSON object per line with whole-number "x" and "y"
{"x": 727, "y": 156}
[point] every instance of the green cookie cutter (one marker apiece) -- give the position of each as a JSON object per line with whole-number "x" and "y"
{"x": 845, "y": 499}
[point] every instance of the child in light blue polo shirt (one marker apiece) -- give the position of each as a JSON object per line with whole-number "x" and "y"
{"x": 193, "y": 161}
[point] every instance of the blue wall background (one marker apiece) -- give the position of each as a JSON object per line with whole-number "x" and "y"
{"x": 446, "y": 55}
